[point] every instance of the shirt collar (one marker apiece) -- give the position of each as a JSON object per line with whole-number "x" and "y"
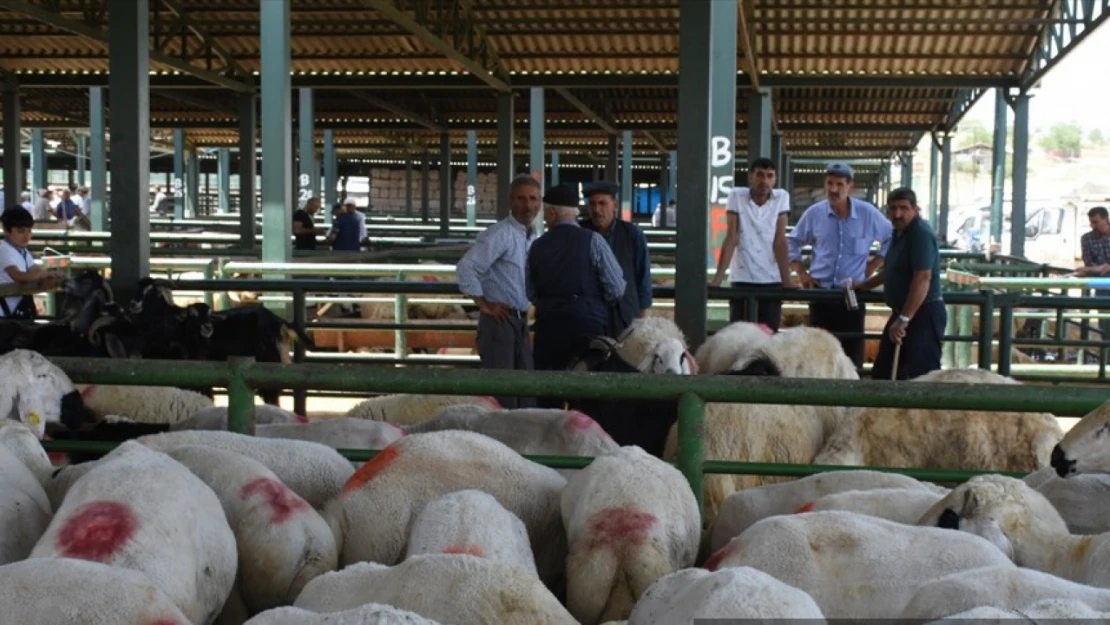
{"x": 528, "y": 231}
{"x": 851, "y": 209}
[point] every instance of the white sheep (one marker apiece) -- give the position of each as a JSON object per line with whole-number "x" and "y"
{"x": 366, "y": 614}
{"x": 1081, "y": 500}
{"x": 283, "y": 542}
{"x": 457, "y": 588}
{"x": 412, "y": 409}
{"x": 744, "y": 508}
{"x": 20, "y": 439}
{"x": 144, "y": 511}
{"x": 25, "y": 510}
{"x": 854, "y": 566}
{"x": 35, "y": 391}
{"x": 903, "y": 505}
{"x": 1041, "y": 611}
{"x": 389, "y": 491}
{"x": 1022, "y": 524}
{"x": 720, "y": 351}
{"x": 1006, "y": 587}
{"x": 1083, "y": 449}
{"x": 800, "y": 352}
{"x": 338, "y": 433}
{"x": 144, "y": 404}
{"x": 656, "y": 345}
{"x": 215, "y": 418}
{"x": 681, "y": 597}
{"x": 945, "y": 439}
{"x": 315, "y": 472}
{"x": 630, "y": 519}
{"x": 472, "y": 522}
{"x": 65, "y": 591}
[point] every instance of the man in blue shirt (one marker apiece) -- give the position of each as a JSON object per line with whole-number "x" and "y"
{"x": 911, "y": 287}
{"x": 841, "y": 230}
{"x": 346, "y": 229}
{"x": 629, "y": 245}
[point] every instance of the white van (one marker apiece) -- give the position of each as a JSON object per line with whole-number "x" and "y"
{"x": 1052, "y": 230}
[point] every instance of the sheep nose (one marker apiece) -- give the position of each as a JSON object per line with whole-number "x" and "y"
{"x": 949, "y": 520}
{"x": 1060, "y": 462}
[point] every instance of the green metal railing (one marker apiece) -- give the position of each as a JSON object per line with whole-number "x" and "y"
{"x": 242, "y": 376}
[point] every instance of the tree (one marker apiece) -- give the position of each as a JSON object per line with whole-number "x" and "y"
{"x": 1065, "y": 140}
{"x": 973, "y": 132}
{"x": 1095, "y": 138}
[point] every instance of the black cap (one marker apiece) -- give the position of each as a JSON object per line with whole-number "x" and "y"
{"x": 562, "y": 195}
{"x": 603, "y": 186}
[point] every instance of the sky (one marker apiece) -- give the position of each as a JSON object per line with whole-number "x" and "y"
{"x": 1074, "y": 90}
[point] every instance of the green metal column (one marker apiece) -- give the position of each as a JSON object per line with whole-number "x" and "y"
{"x": 471, "y": 178}
{"x": 907, "y": 170}
{"x": 535, "y": 147}
{"x": 277, "y": 137}
{"x": 13, "y": 146}
{"x": 444, "y": 184}
{"x": 700, "y": 62}
{"x": 672, "y": 176}
{"x": 998, "y": 164}
{"x": 776, "y": 155}
{"x": 38, "y": 160}
{"x": 82, "y": 159}
{"x": 223, "y": 180}
{"x": 611, "y": 160}
{"x": 1021, "y": 161}
{"x": 759, "y": 123}
{"x": 933, "y": 158}
{"x": 408, "y": 186}
{"x": 98, "y": 161}
{"x": 309, "y": 179}
{"x": 505, "y": 141}
{"x": 425, "y": 188}
{"x": 128, "y": 82}
{"x": 945, "y": 186}
{"x": 722, "y": 126}
{"x": 192, "y": 180}
{"x": 627, "y": 192}
{"x": 248, "y": 168}
{"x": 664, "y": 192}
{"x": 788, "y": 175}
{"x": 178, "y": 186}
{"x": 331, "y": 175}
{"x": 554, "y": 168}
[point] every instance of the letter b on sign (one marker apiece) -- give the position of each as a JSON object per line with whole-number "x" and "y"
{"x": 721, "y": 154}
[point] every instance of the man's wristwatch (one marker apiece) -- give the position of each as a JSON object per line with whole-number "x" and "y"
{"x": 904, "y": 319}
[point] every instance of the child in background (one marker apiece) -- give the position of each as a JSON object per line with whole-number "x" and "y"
{"x": 19, "y": 265}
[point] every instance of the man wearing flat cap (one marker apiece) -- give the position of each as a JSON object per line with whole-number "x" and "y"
{"x": 573, "y": 279}
{"x": 629, "y": 245}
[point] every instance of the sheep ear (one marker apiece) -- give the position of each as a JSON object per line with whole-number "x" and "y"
{"x": 690, "y": 362}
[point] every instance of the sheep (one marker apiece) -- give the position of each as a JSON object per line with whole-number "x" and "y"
{"x": 215, "y": 418}
{"x": 20, "y": 439}
{"x": 1046, "y": 609}
{"x": 315, "y": 472}
{"x": 1080, "y": 499}
{"x": 340, "y": 433}
{"x": 144, "y": 404}
{"x": 471, "y": 521}
{"x": 733, "y": 593}
{"x": 65, "y": 591}
{"x": 413, "y": 409}
{"x": 35, "y": 391}
{"x": 744, "y": 508}
{"x": 389, "y": 491}
{"x": 1005, "y": 587}
{"x": 854, "y": 566}
{"x": 366, "y": 614}
{"x": 142, "y": 510}
{"x": 283, "y": 543}
{"x": 1082, "y": 449}
{"x": 1022, "y": 524}
{"x": 945, "y": 439}
{"x": 25, "y": 510}
{"x": 902, "y": 505}
{"x": 656, "y": 345}
{"x": 630, "y": 519}
{"x": 720, "y": 351}
{"x": 800, "y": 352}
{"x": 460, "y": 589}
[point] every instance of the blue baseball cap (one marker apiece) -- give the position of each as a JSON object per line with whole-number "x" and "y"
{"x": 840, "y": 168}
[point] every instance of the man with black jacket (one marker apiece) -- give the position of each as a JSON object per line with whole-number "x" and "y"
{"x": 629, "y": 245}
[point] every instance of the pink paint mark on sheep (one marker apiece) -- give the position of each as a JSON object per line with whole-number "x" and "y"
{"x": 96, "y": 531}
{"x": 619, "y": 526}
{"x": 400, "y": 430}
{"x": 766, "y": 329}
{"x": 580, "y": 421}
{"x": 472, "y": 550}
{"x": 489, "y": 399}
{"x": 300, "y": 418}
{"x": 282, "y": 501}
{"x": 690, "y": 362}
{"x": 808, "y": 507}
{"x": 85, "y": 394}
{"x": 715, "y": 560}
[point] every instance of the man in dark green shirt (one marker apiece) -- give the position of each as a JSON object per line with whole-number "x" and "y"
{"x": 911, "y": 288}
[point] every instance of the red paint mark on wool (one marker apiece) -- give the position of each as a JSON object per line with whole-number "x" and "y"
{"x": 619, "y": 526}
{"x": 85, "y": 394}
{"x": 806, "y": 508}
{"x": 580, "y": 421}
{"x": 766, "y": 329}
{"x": 473, "y": 550}
{"x": 373, "y": 468}
{"x": 428, "y": 278}
{"x": 300, "y": 418}
{"x": 282, "y": 501}
{"x": 96, "y": 531}
{"x": 400, "y": 430}
{"x": 492, "y": 401}
{"x": 714, "y": 561}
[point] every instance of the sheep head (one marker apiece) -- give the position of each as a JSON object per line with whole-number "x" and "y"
{"x": 1086, "y": 446}
{"x": 669, "y": 356}
{"x": 38, "y": 392}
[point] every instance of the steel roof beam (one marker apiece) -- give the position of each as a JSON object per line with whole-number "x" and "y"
{"x": 601, "y": 120}
{"x": 200, "y": 33}
{"x": 470, "y": 47}
{"x": 650, "y": 136}
{"x": 400, "y": 111}
{"x": 78, "y": 28}
{"x": 961, "y": 105}
{"x": 1057, "y": 40}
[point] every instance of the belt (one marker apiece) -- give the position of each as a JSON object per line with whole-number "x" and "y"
{"x": 512, "y": 312}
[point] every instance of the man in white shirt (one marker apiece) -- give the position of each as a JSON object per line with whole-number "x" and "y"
{"x": 755, "y": 248}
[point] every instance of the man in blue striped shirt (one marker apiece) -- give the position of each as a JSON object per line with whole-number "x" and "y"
{"x": 841, "y": 230}
{"x": 492, "y": 274}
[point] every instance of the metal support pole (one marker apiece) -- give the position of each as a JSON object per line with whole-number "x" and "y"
{"x": 664, "y": 192}
{"x": 1021, "y": 161}
{"x": 277, "y": 137}
{"x": 554, "y": 168}
{"x": 306, "y": 152}
{"x": 611, "y": 160}
{"x": 945, "y": 186}
{"x": 691, "y": 443}
{"x": 627, "y": 191}
{"x": 240, "y": 397}
{"x": 471, "y": 178}
{"x": 788, "y": 175}
{"x": 907, "y": 170}
{"x": 178, "y": 187}
{"x": 300, "y": 395}
{"x": 192, "y": 180}
{"x": 98, "y": 159}
{"x": 722, "y": 124}
{"x": 444, "y": 184}
{"x": 248, "y": 167}
{"x": 331, "y": 175}
{"x": 759, "y": 124}
{"x": 38, "y": 159}
{"x": 128, "y": 82}
{"x": 998, "y": 165}
{"x": 776, "y": 155}
{"x": 425, "y": 188}
{"x": 505, "y": 169}
{"x": 986, "y": 329}
{"x": 13, "y": 147}
{"x": 672, "y": 176}
{"x": 535, "y": 147}
{"x": 408, "y": 186}
{"x": 934, "y": 155}
{"x": 223, "y": 180}
{"x": 696, "y": 64}
{"x": 82, "y": 159}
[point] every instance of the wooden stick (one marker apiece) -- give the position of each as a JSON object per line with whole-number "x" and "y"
{"x": 897, "y": 355}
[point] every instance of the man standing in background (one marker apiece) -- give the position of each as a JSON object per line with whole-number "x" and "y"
{"x": 629, "y": 245}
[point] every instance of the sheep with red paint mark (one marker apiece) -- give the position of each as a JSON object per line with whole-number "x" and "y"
{"x": 456, "y": 589}
{"x": 65, "y": 591}
{"x": 142, "y": 510}
{"x": 283, "y": 542}
{"x": 902, "y": 505}
{"x": 339, "y": 433}
{"x": 373, "y": 514}
{"x": 367, "y": 614}
{"x": 630, "y": 519}
{"x": 35, "y": 391}
{"x": 315, "y": 472}
{"x": 412, "y": 409}
{"x": 143, "y": 404}
{"x": 471, "y": 522}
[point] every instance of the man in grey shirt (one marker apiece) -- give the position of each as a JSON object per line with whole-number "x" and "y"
{"x": 492, "y": 274}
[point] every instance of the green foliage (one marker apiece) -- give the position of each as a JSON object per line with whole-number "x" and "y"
{"x": 1095, "y": 137}
{"x": 1063, "y": 139}
{"x": 973, "y": 132}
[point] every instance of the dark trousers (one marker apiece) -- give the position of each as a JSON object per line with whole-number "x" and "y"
{"x": 505, "y": 345}
{"x": 921, "y": 346}
{"x": 767, "y": 311}
{"x": 834, "y": 316}
{"x": 558, "y": 339}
